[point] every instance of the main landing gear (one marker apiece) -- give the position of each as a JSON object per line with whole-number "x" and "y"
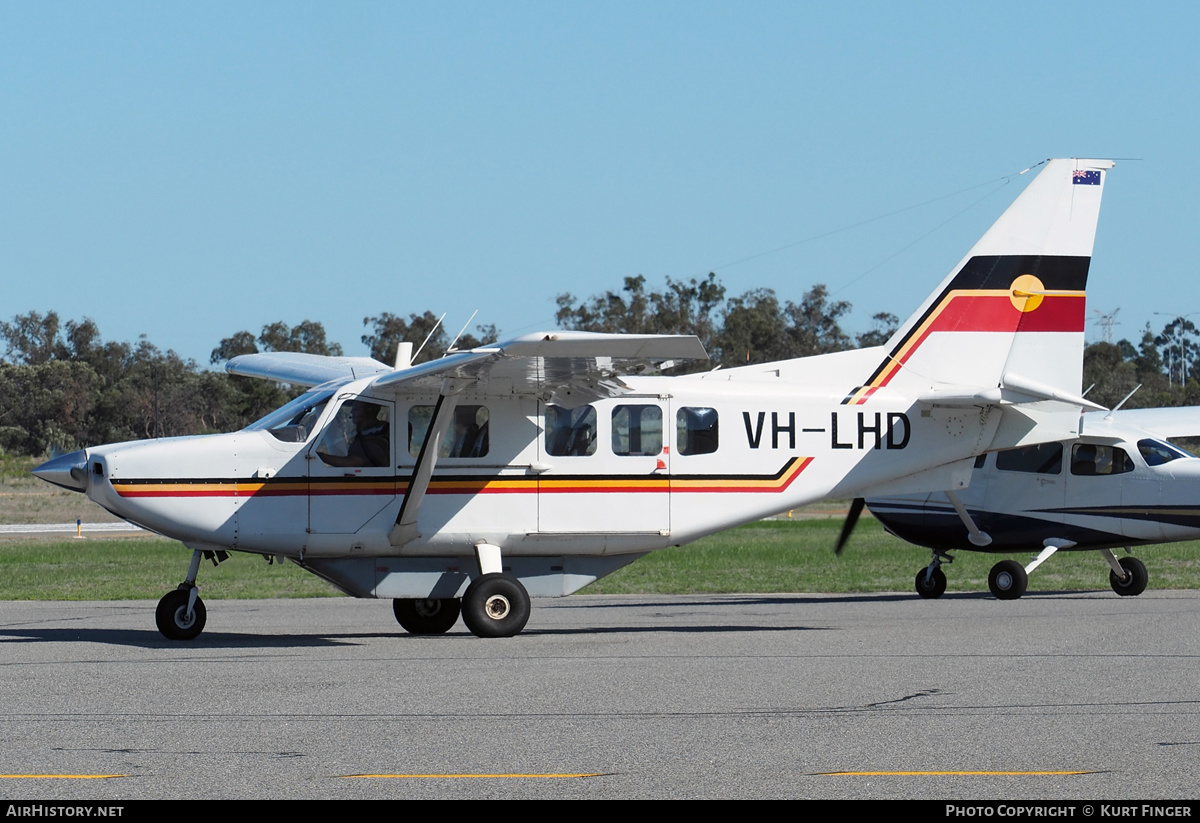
{"x": 1008, "y": 579}
{"x": 181, "y": 614}
{"x": 426, "y": 615}
{"x": 495, "y": 604}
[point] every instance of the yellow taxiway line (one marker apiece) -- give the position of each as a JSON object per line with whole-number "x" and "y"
{"x": 458, "y": 776}
{"x": 61, "y": 776}
{"x": 950, "y": 774}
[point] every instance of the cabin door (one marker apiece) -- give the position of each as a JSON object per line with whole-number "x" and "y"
{"x": 352, "y": 466}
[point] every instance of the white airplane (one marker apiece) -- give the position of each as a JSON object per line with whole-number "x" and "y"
{"x": 1120, "y": 484}
{"x": 536, "y": 466}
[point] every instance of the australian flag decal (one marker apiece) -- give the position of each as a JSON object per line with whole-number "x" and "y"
{"x": 1087, "y": 178}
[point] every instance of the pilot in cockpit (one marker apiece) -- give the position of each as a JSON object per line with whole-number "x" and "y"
{"x": 370, "y": 444}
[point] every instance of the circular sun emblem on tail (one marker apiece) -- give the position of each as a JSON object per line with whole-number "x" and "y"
{"x": 1025, "y": 293}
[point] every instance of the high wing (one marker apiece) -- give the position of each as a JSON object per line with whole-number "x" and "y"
{"x": 573, "y": 367}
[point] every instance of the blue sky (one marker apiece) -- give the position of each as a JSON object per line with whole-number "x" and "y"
{"x": 189, "y": 171}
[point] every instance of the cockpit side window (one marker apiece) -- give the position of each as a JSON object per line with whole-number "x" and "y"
{"x": 358, "y": 435}
{"x": 1091, "y": 459}
{"x": 1157, "y": 452}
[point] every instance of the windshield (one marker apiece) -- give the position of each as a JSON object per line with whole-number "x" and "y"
{"x": 293, "y": 423}
{"x": 1157, "y": 452}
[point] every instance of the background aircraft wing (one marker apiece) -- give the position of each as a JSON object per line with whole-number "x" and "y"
{"x": 1182, "y": 421}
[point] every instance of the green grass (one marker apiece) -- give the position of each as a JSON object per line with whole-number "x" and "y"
{"x": 783, "y": 556}
{"x": 137, "y": 569}
{"x": 773, "y": 556}
{"x": 14, "y": 467}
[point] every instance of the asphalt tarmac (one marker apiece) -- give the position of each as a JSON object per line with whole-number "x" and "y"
{"x": 1082, "y": 696}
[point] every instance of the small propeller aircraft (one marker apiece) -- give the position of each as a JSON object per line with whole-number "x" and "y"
{"x": 538, "y": 465}
{"x": 1119, "y": 484}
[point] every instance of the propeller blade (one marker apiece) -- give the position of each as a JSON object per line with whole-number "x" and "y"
{"x": 856, "y": 507}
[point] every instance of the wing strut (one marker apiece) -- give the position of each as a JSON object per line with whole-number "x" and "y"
{"x": 405, "y": 530}
{"x": 977, "y": 537}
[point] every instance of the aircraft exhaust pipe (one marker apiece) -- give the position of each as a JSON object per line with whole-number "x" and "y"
{"x": 67, "y": 470}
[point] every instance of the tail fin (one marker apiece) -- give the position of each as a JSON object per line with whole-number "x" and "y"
{"x": 1014, "y": 306}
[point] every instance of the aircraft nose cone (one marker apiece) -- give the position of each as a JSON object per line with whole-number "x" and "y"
{"x": 66, "y": 470}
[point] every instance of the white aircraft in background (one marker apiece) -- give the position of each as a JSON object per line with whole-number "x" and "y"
{"x": 1120, "y": 484}
{"x": 538, "y": 465}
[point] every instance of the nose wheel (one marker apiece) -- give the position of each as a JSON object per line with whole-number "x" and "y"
{"x": 931, "y": 580}
{"x": 1133, "y": 581}
{"x": 931, "y": 583}
{"x": 181, "y": 614}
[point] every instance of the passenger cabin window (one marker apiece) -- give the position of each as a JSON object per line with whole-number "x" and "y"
{"x": 468, "y": 435}
{"x": 358, "y": 435}
{"x": 979, "y": 461}
{"x": 1088, "y": 459}
{"x": 570, "y": 432}
{"x": 696, "y": 430}
{"x": 1156, "y": 452}
{"x": 1044, "y": 458}
{"x": 637, "y": 430}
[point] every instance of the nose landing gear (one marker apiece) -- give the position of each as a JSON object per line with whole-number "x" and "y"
{"x": 181, "y": 614}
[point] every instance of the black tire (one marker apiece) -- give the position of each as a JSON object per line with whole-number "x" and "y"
{"x": 426, "y": 615}
{"x": 1135, "y": 580}
{"x": 933, "y": 587}
{"x": 1008, "y": 580}
{"x": 171, "y": 620}
{"x": 495, "y": 605}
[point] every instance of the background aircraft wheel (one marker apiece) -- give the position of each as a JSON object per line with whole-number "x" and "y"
{"x": 171, "y": 616}
{"x": 1135, "y": 580}
{"x": 933, "y": 587}
{"x": 426, "y": 615}
{"x": 1008, "y": 580}
{"x": 495, "y": 605}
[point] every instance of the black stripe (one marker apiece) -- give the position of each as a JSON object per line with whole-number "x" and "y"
{"x": 466, "y": 478}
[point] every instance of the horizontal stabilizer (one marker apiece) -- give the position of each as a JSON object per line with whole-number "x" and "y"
{"x": 1013, "y": 390}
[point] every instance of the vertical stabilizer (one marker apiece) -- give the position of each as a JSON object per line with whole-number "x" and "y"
{"x": 1014, "y": 306}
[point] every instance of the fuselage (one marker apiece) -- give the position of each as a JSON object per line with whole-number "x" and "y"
{"x": 669, "y": 461}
